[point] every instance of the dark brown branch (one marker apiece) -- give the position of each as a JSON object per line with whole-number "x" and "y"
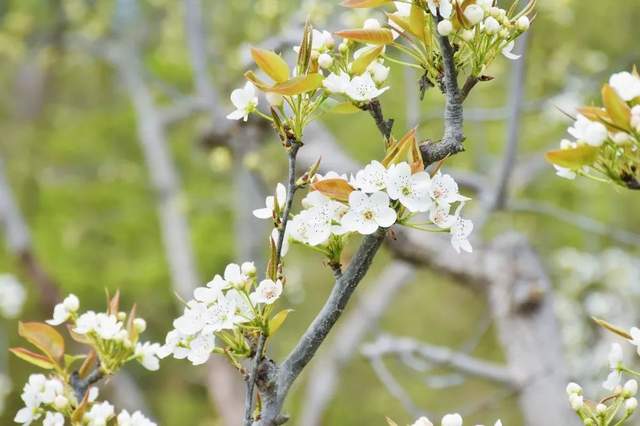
{"x": 384, "y": 126}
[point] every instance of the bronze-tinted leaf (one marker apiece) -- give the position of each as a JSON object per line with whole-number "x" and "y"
{"x": 33, "y": 358}
{"x": 338, "y": 189}
{"x": 612, "y": 328}
{"x": 271, "y": 63}
{"x": 369, "y": 36}
{"x": 401, "y": 150}
{"x": 573, "y": 158}
{"x": 617, "y": 109}
{"x": 364, "y": 3}
{"x": 297, "y": 85}
{"x": 365, "y": 59}
{"x": 43, "y": 337}
{"x": 252, "y": 77}
{"x": 417, "y": 21}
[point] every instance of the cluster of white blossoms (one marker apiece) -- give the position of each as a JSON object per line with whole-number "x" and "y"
{"x": 222, "y": 307}
{"x": 53, "y": 402}
{"x": 380, "y": 197}
{"x": 115, "y": 341}
{"x": 12, "y": 296}
{"x": 448, "y": 420}
{"x": 607, "y": 140}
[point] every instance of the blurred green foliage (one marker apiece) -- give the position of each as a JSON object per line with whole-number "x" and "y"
{"x": 69, "y": 144}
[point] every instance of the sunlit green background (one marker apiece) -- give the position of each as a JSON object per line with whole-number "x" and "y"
{"x": 68, "y": 139}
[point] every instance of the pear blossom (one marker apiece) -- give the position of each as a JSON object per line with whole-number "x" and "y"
{"x": 378, "y": 71}
{"x": 474, "y": 14}
{"x": 443, "y": 7}
{"x": 615, "y": 361}
{"x": 147, "y": 354}
{"x": 311, "y": 227}
{"x": 243, "y": 310}
{"x": 460, "y": 231}
{"x": 411, "y": 189}
{"x": 402, "y": 9}
{"x": 445, "y": 27}
{"x": 175, "y": 344}
{"x": 576, "y": 401}
{"x": 439, "y": 215}
{"x": 635, "y": 338}
{"x": 27, "y": 415}
{"x": 626, "y": 85}
{"x": 371, "y": 178}
{"x": 362, "y": 88}
{"x": 107, "y": 326}
{"x": 321, "y": 40}
{"x": 523, "y": 23}
{"x": 12, "y": 296}
{"x": 245, "y": 101}
{"x": 62, "y": 311}
{"x": 193, "y": 320}
{"x": 591, "y": 132}
{"x": 337, "y": 83}
{"x": 201, "y": 348}
{"x": 325, "y": 60}
{"x": 135, "y": 419}
{"x": 367, "y": 213}
{"x": 444, "y": 190}
{"x": 233, "y": 275}
{"x": 272, "y": 203}
{"x": 508, "y": 49}
{"x": 99, "y": 414}
{"x": 491, "y": 25}
{"x": 86, "y": 323}
{"x": 53, "y": 419}
{"x": 563, "y": 172}
{"x": 422, "y": 421}
{"x": 267, "y": 292}
{"x": 452, "y": 420}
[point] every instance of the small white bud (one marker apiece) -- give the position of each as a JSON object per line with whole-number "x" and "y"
{"x": 71, "y": 303}
{"x": 491, "y": 26}
{"x": 485, "y": 4}
{"x": 601, "y": 408}
{"x": 474, "y": 14}
{"x": 467, "y": 35}
{"x": 576, "y": 401}
{"x": 371, "y": 24}
{"x": 631, "y": 404}
{"x": 248, "y": 268}
{"x": 121, "y": 316}
{"x": 343, "y": 47}
{"x": 445, "y": 27}
{"x": 274, "y": 99}
{"x": 574, "y": 388}
{"x": 503, "y": 33}
{"x": 140, "y": 324}
{"x": 379, "y": 72}
{"x": 325, "y": 60}
{"x": 630, "y": 388}
{"x": 60, "y": 402}
{"x": 121, "y": 336}
{"x": 620, "y": 138}
{"x": 523, "y": 23}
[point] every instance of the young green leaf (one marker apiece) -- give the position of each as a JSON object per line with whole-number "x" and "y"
{"x": 278, "y": 319}
{"x": 369, "y": 36}
{"x": 365, "y": 59}
{"x": 271, "y": 63}
{"x": 573, "y": 158}
{"x": 617, "y": 109}
{"x": 297, "y": 85}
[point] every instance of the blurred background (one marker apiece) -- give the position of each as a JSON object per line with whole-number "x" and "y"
{"x": 119, "y": 171}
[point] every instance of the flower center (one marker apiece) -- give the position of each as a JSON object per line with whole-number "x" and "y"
{"x": 368, "y": 215}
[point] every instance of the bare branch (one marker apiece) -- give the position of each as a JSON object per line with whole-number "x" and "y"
{"x": 394, "y": 388}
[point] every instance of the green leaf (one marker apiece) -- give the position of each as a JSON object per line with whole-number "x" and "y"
{"x": 277, "y": 320}
{"x": 612, "y": 328}
{"x": 33, "y": 358}
{"x": 417, "y": 21}
{"x": 365, "y": 59}
{"x": 336, "y": 107}
{"x": 271, "y": 63}
{"x": 43, "y": 337}
{"x": 573, "y": 158}
{"x": 617, "y": 109}
{"x": 298, "y": 85}
{"x": 369, "y": 36}
{"x": 69, "y": 360}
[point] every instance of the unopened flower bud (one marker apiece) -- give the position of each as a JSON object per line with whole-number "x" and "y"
{"x": 60, "y": 402}
{"x": 574, "y": 388}
{"x": 274, "y": 99}
{"x": 576, "y": 401}
{"x": 474, "y": 14}
{"x": 315, "y": 55}
{"x": 630, "y": 388}
{"x": 601, "y": 408}
{"x": 503, "y": 33}
{"x": 71, "y": 303}
{"x": 343, "y": 47}
{"x": 140, "y": 324}
{"x": 121, "y": 316}
{"x": 122, "y": 335}
{"x": 491, "y": 25}
{"x": 445, "y": 27}
{"x": 631, "y": 404}
{"x": 325, "y": 60}
{"x": 523, "y": 23}
{"x": 248, "y": 268}
{"x": 467, "y": 35}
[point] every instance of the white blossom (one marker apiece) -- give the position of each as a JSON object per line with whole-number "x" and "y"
{"x": 445, "y": 27}
{"x": 147, "y": 354}
{"x": 311, "y": 227}
{"x": 444, "y": 190}
{"x": 53, "y": 419}
{"x": 267, "y": 292}
{"x": 523, "y": 23}
{"x": 474, "y": 14}
{"x": 99, "y": 414}
{"x": 411, "y": 189}
{"x": 271, "y": 202}
{"x": 245, "y": 101}
{"x": 422, "y": 421}
{"x": 590, "y": 132}
{"x": 200, "y": 349}
{"x": 86, "y": 323}
{"x": 576, "y": 401}
{"x": 563, "y": 172}
{"x": 452, "y": 420}
{"x": 371, "y": 178}
{"x": 135, "y": 419}
{"x": 508, "y": 49}
{"x": 62, "y": 311}
{"x": 337, "y": 83}
{"x": 107, "y": 326}
{"x": 444, "y": 7}
{"x": 367, "y": 213}
{"x": 325, "y": 60}
{"x": 626, "y": 85}
{"x": 615, "y": 360}
{"x": 362, "y": 88}
{"x": 12, "y": 296}
{"x": 233, "y": 275}
{"x": 378, "y": 71}
{"x": 460, "y": 231}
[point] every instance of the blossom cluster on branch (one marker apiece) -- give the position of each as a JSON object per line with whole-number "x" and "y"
{"x": 607, "y": 138}
{"x": 453, "y": 419}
